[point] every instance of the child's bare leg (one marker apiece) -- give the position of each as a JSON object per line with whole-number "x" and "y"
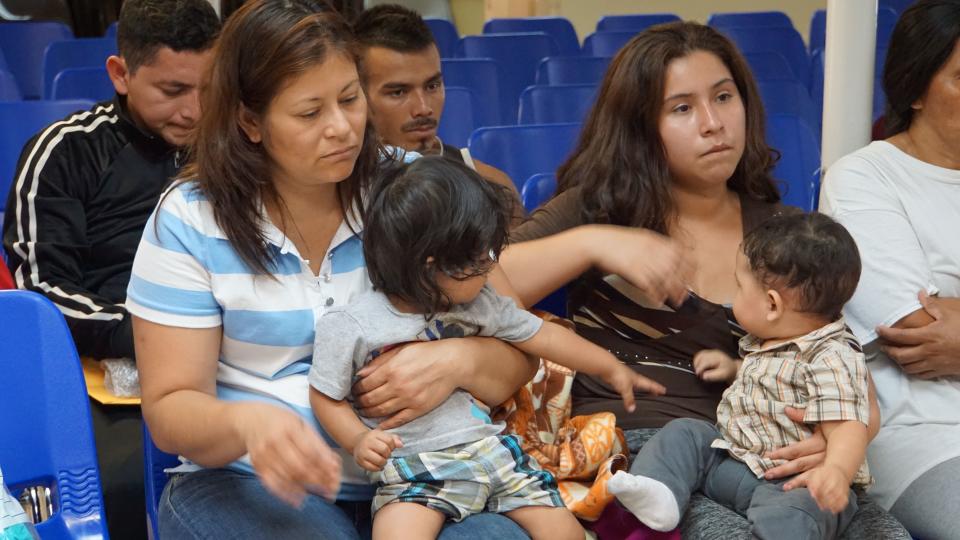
{"x": 407, "y": 520}
{"x": 548, "y": 523}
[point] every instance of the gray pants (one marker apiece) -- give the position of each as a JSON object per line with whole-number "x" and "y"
{"x": 679, "y": 455}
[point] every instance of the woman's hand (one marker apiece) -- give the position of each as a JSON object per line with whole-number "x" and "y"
{"x": 932, "y": 350}
{"x": 713, "y": 365}
{"x": 406, "y": 382}
{"x": 802, "y": 456}
{"x": 649, "y": 261}
{"x": 288, "y": 455}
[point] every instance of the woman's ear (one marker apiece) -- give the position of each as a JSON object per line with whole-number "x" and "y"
{"x": 250, "y": 125}
{"x": 119, "y": 74}
{"x": 775, "y": 306}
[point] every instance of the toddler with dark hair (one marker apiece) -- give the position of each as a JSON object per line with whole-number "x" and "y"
{"x": 432, "y": 232}
{"x": 794, "y": 275}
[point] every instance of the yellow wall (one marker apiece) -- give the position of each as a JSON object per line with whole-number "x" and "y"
{"x": 470, "y": 14}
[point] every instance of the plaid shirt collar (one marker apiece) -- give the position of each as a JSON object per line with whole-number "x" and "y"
{"x": 750, "y": 343}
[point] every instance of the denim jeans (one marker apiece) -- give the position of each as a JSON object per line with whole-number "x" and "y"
{"x": 219, "y": 503}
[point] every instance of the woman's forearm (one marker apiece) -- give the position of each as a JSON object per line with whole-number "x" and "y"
{"x": 539, "y": 267}
{"x": 197, "y": 426}
{"x": 491, "y": 370}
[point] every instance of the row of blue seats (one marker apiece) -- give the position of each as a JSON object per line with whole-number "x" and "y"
{"x": 35, "y": 79}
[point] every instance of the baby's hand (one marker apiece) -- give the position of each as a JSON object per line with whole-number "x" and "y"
{"x": 830, "y": 487}
{"x": 624, "y": 380}
{"x": 374, "y": 448}
{"x": 712, "y": 365}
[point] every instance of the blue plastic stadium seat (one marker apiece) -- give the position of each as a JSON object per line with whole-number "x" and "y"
{"x": 556, "y": 104}
{"x": 522, "y": 151}
{"x": 770, "y": 65}
{"x": 886, "y": 20}
{"x": 537, "y": 191}
{"x": 23, "y": 44}
{"x": 83, "y": 83}
{"x": 23, "y": 119}
{"x": 154, "y": 479}
{"x": 559, "y": 28}
{"x": 111, "y": 30}
{"x": 771, "y": 19}
{"x": 459, "y": 116}
{"x": 45, "y": 420}
{"x": 481, "y": 75}
{"x": 9, "y": 91}
{"x": 606, "y": 43}
{"x": 798, "y": 171}
{"x": 555, "y": 70}
{"x": 633, "y": 22}
{"x": 517, "y": 56}
{"x": 77, "y": 53}
{"x": 445, "y": 34}
{"x": 785, "y": 41}
{"x": 789, "y": 96}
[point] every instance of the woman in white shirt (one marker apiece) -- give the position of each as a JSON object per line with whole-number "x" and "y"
{"x": 900, "y": 199}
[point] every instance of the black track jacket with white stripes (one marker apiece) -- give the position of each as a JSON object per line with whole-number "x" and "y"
{"x": 84, "y": 189}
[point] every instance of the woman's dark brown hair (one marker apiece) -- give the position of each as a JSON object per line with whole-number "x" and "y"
{"x": 620, "y": 164}
{"x": 262, "y": 46}
{"x": 922, "y": 41}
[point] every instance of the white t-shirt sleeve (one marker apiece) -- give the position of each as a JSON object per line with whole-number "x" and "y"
{"x": 861, "y": 195}
{"x": 170, "y": 282}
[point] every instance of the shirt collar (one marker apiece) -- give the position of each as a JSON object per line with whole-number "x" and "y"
{"x": 349, "y": 227}
{"x": 750, "y": 343}
{"x": 151, "y": 143}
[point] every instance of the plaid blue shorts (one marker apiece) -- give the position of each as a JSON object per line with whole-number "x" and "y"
{"x": 492, "y": 474}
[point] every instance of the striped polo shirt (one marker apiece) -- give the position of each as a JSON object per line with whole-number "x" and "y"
{"x": 187, "y": 274}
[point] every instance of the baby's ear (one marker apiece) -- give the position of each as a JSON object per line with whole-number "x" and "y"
{"x": 775, "y": 305}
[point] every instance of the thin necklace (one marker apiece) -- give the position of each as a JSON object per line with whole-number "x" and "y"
{"x": 306, "y": 247}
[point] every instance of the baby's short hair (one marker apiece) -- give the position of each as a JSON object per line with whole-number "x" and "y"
{"x": 809, "y": 253}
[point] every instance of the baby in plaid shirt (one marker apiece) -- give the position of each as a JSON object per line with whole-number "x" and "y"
{"x": 794, "y": 275}
{"x": 432, "y": 232}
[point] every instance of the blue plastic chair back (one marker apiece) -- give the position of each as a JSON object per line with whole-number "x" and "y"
{"x": 771, "y": 19}
{"x": 606, "y": 43}
{"x": 77, "y": 53}
{"x": 83, "y": 83}
{"x": 770, "y": 65}
{"x": 22, "y": 120}
{"x": 896, "y": 5}
{"x": 556, "y": 104}
{"x": 154, "y": 479}
{"x": 24, "y": 43}
{"x": 559, "y": 28}
{"x": 536, "y": 191}
{"x": 634, "y": 22}
{"x": 790, "y": 97}
{"x": 445, "y": 35}
{"x": 798, "y": 171}
{"x": 9, "y": 91}
{"x": 555, "y": 70}
{"x": 45, "y": 418}
{"x": 517, "y": 56}
{"x": 786, "y": 41}
{"x": 111, "y": 30}
{"x": 3, "y": 62}
{"x": 459, "y": 116}
{"x": 480, "y": 75}
{"x": 886, "y": 20}
{"x": 522, "y": 151}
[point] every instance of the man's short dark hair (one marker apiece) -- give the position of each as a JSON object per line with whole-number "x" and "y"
{"x": 809, "y": 253}
{"x": 434, "y": 208}
{"x": 393, "y": 27}
{"x": 147, "y": 25}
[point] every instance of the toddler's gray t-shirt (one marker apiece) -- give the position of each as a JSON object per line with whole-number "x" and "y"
{"x": 350, "y": 336}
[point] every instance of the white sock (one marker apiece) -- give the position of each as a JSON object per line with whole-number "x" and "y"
{"x": 651, "y": 501}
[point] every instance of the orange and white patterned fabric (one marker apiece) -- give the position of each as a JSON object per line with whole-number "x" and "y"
{"x": 581, "y": 452}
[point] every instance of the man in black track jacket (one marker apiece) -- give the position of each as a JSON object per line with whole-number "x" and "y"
{"x": 83, "y": 191}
